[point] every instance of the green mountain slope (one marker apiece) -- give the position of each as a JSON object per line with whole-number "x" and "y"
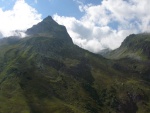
{"x": 46, "y": 73}
{"x": 134, "y": 46}
{"x": 133, "y": 55}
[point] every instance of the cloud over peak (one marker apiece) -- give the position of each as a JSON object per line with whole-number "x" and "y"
{"x": 106, "y": 25}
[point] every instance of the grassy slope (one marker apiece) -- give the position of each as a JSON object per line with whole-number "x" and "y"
{"x": 132, "y": 59}
{"x": 134, "y": 46}
{"x": 46, "y": 75}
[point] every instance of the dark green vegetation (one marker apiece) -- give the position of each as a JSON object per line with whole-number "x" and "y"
{"x": 46, "y": 73}
{"x": 134, "y": 46}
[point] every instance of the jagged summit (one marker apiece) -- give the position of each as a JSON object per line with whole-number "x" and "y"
{"x": 45, "y": 26}
{"x": 49, "y": 28}
{"x": 50, "y": 20}
{"x": 48, "y": 25}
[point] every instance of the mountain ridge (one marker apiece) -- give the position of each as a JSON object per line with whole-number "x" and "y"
{"x": 46, "y": 73}
{"x": 134, "y": 46}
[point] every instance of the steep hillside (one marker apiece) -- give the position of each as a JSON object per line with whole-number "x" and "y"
{"x": 134, "y": 46}
{"x": 46, "y": 73}
{"x": 133, "y": 55}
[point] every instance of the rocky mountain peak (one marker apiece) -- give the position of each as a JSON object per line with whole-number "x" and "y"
{"x": 48, "y": 25}
{"x": 49, "y": 28}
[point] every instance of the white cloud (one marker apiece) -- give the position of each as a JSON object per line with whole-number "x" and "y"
{"x": 21, "y": 17}
{"x": 107, "y": 24}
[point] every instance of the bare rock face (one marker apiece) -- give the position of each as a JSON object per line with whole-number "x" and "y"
{"x": 49, "y": 28}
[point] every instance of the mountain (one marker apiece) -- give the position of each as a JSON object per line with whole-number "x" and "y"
{"x": 1, "y": 36}
{"x": 104, "y": 52}
{"x": 48, "y": 25}
{"x": 133, "y": 55}
{"x": 46, "y": 73}
{"x": 135, "y": 46}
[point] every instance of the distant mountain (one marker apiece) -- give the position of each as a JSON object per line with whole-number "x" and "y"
{"x": 105, "y": 52}
{"x": 1, "y": 36}
{"x": 46, "y": 73}
{"x": 134, "y": 46}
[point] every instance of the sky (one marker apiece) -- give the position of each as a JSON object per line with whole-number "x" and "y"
{"x": 92, "y": 24}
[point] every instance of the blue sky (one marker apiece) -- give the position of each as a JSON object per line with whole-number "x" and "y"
{"x": 93, "y": 24}
{"x": 51, "y": 7}
{"x": 61, "y": 7}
